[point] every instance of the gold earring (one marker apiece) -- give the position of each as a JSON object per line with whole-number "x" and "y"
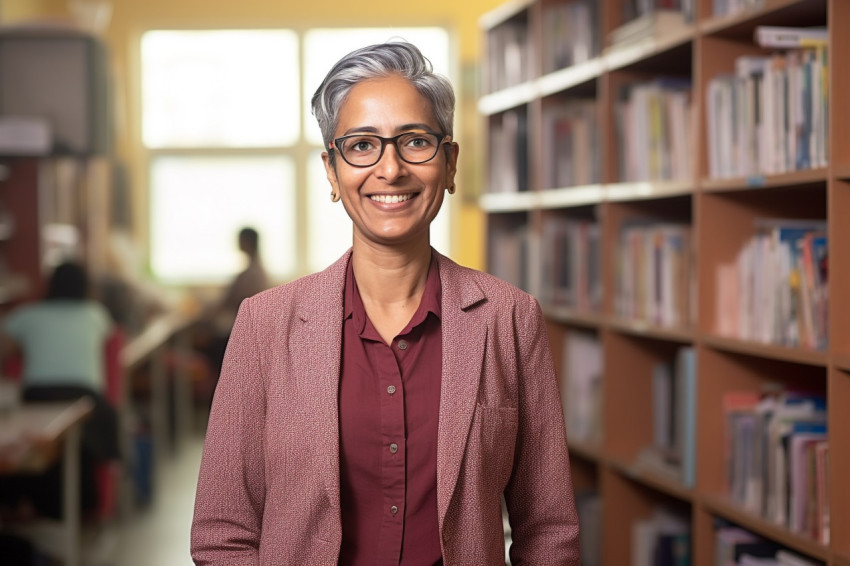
{"x": 334, "y": 196}
{"x": 451, "y": 189}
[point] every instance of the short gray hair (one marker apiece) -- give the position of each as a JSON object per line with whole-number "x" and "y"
{"x": 377, "y": 61}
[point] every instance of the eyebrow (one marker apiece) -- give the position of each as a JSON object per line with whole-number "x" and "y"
{"x": 400, "y": 129}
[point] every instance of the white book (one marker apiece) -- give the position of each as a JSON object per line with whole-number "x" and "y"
{"x": 781, "y": 37}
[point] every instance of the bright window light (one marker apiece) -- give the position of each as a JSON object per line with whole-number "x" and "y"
{"x": 199, "y": 204}
{"x": 220, "y": 88}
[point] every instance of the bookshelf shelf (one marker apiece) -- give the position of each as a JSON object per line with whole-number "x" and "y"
{"x": 504, "y": 12}
{"x": 676, "y": 243}
{"x": 720, "y": 506}
{"x": 647, "y": 190}
{"x": 586, "y": 450}
{"x": 619, "y": 57}
{"x": 573, "y": 317}
{"x": 643, "y": 329}
{"x": 797, "y": 178}
{"x": 508, "y": 98}
{"x": 766, "y": 351}
{"x": 571, "y": 77}
{"x": 654, "y": 480}
{"x": 771, "y": 12}
{"x": 510, "y": 202}
{"x": 571, "y": 196}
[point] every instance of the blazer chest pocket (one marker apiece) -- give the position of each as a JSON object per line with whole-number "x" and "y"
{"x": 493, "y": 440}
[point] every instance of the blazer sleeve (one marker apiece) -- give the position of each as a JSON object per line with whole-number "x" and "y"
{"x": 231, "y": 494}
{"x": 539, "y": 497}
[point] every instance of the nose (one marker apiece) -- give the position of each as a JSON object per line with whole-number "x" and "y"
{"x": 390, "y": 166}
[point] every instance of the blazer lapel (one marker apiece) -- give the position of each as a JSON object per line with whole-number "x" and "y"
{"x": 317, "y": 346}
{"x": 463, "y": 354}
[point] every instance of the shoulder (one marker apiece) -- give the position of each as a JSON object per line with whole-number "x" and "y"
{"x": 495, "y": 292}
{"x": 303, "y": 295}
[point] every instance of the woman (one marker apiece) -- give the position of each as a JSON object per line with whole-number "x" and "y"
{"x": 63, "y": 337}
{"x": 63, "y": 342}
{"x": 376, "y": 412}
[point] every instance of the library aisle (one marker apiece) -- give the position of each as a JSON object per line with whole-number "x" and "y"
{"x": 159, "y": 533}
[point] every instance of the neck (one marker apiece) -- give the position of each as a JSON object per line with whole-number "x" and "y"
{"x": 391, "y": 276}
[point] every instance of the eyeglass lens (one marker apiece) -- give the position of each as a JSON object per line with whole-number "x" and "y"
{"x": 365, "y": 150}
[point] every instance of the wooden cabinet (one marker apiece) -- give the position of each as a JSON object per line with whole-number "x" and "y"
{"x": 674, "y": 192}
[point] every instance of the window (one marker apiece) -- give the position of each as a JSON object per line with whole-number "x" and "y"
{"x": 231, "y": 142}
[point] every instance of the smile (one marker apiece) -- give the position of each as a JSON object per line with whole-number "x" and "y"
{"x": 391, "y": 198}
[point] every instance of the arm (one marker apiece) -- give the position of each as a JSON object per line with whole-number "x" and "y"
{"x": 539, "y": 496}
{"x": 231, "y": 493}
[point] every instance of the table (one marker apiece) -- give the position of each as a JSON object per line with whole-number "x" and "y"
{"x": 32, "y": 437}
{"x": 149, "y": 346}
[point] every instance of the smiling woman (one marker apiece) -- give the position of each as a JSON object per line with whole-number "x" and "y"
{"x": 378, "y": 411}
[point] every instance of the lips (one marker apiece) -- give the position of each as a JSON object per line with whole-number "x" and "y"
{"x": 391, "y": 199}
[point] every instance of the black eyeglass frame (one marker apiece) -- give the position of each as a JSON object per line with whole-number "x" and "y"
{"x": 442, "y": 139}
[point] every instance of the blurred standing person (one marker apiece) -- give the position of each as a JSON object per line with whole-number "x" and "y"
{"x": 248, "y": 282}
{"x": 214, "y": 330}
{"x": 378, "y": 411}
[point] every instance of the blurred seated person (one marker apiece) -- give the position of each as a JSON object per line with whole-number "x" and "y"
{"x": 62, "y": 341}
{"x": 219, "y": 318}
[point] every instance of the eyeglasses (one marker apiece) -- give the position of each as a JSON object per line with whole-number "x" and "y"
{"x": 364, "y": 150}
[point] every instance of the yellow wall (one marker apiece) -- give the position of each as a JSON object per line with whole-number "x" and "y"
{"x": 130, "y": 18}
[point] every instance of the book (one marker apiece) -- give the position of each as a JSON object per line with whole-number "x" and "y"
{"x": 661, "y": 539}
{"x": 781, "y": 37}
{"x": 731, "y": 543}
{"x": 589, "y": 509}
{"x": 821, "y": 532}
{"x": 662, "y": 406}
{"x": 685, "y": 435}
{"x": 582, "y": 386}
{"x": 655, "y": 24}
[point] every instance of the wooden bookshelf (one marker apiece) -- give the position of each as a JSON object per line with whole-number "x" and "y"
{"x": 53, "y": 207}
{"x": 720, "y": 214}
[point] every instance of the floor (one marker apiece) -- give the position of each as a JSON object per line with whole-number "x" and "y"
{"x": 158, "y": 533}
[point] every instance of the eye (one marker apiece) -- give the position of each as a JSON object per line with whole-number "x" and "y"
{"x": 362, "y": 144}
{"x": 419, "y": 141}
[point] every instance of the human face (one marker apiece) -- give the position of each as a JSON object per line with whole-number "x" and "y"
{"x": 391, "y": 202}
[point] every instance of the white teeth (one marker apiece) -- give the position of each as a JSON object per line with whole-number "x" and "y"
{"x": 391, "y": 198}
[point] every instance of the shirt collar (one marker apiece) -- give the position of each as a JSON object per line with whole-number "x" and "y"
{"x": 430, "y": 303}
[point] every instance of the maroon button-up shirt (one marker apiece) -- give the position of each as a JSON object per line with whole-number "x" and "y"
{"x": 389, "y": 405}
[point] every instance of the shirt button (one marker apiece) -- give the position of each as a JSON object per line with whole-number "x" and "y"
{"x": 402, "y": 345}
{"x": 393, "y": 509}
{"x": 393, "y": 447}
{"x": 391, "y": 389}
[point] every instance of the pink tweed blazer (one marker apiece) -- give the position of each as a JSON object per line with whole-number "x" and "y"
{"x": 268, "y": 491}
